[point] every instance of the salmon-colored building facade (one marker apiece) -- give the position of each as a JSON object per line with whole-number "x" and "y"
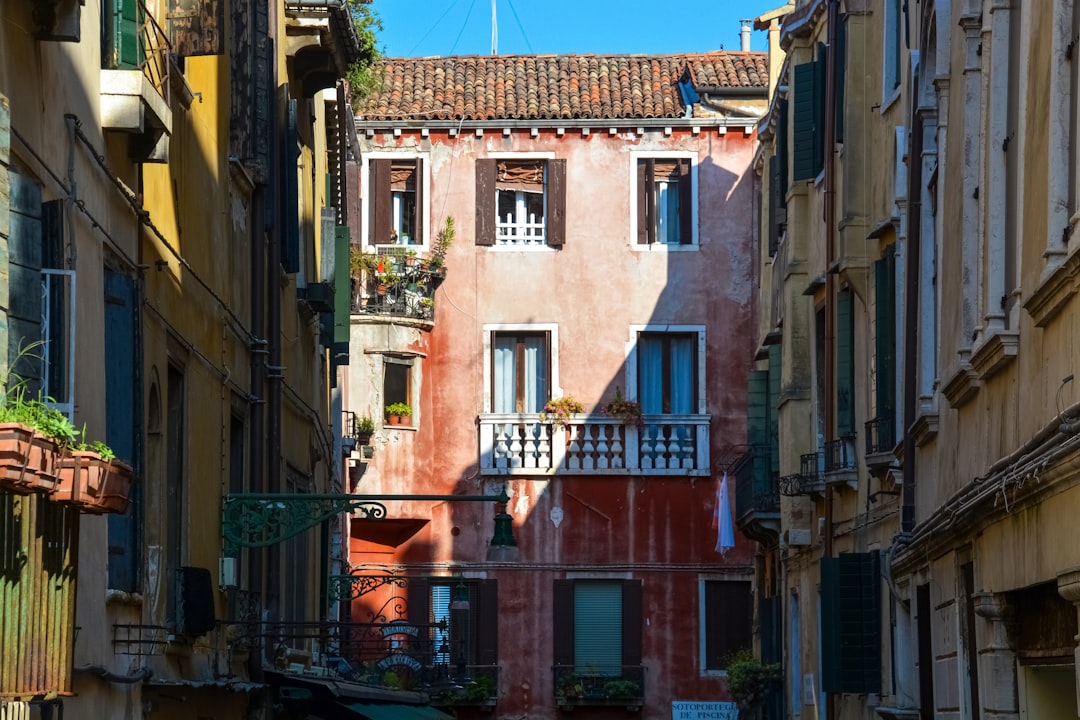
{"x": 603, "y": 226}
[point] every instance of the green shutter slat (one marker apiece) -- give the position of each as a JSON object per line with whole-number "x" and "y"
{"x": 129, "y": 49}
{"x": 782, "y": 151}
{"x": 820, "y": 75}
{"x": 757, "y": 404}
{"x": 845, "y": 364}
{"x": 342, "y": 293}
{"x": 802, "y": 121}
{"x": 598, "y": 627}
{"x": 830, "y": 624}
{"x": 851, "y": 623}
{"x": 839, "y": 72}
{"x": 884, "y": 337}
{"x": 773, "y": 210}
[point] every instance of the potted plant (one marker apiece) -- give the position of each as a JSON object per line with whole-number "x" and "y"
{"x": 749, "y": 680}
{"x": 443, "y": 240}
{"x": 628, "y": 411}
{"x": 622, "y": 689}
{"x": 365, "y": 428}
{"x": 559, "y": 410}
{"x": 396, "y": 411}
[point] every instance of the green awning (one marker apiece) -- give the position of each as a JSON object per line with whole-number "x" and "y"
{"x": 392, "y": 711}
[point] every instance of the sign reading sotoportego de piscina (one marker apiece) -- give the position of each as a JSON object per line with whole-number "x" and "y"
{"x": 695, "y": 710}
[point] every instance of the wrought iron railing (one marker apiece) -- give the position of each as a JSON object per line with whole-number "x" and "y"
{"x": 397, "y": 285}
{"x": 398, "y": 655}
{"x": 756, "y": 491}
{"x": 622, "y": 685}
{"x": 840, "y": 454}
{"x": 524, "y": 444}
{"x": 809, "y": 478}
{"x": 880, "y": 435}
{"x": 156, "y": 51}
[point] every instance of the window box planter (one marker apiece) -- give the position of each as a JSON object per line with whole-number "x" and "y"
{"x": 94, "y": 485}
{"x": 27, "y": 460}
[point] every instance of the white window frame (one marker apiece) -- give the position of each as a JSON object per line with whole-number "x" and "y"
{"x": 395, "y": 214}
{"x": 632, "y": 359}
{"x": 490, "y": 330}
{"x": 635, "y": 156}
{"x": 532, "y": 242}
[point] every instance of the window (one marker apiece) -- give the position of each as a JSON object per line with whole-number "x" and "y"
{"x": 521, "y": 371}
{"x": 459, "y": 613}
{"x": 397, "y": 384}
{"x": 892, "y": 48}
{"x": 668, "y": 372}
{"x": 665, "y": 201}
{"x": 726, "y": 619}
{"x": 521, "y": 202}
{"x": 395, "y": 201}
{"x": 845, "y": 363}
{"x": 597, "y": 626}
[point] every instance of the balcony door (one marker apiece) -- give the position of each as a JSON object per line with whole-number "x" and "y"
{"x": 521, "y": 371}
{"x": 667, "y": 382}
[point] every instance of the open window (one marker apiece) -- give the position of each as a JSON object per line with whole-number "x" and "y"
{"x": 395, "y": 201}
{"x": 521, "y": 371}
{"x": 664, "y": 195}
{"x": 521, "y": 202}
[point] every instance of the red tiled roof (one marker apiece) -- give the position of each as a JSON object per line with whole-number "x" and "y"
{"x": 539, "y": 87}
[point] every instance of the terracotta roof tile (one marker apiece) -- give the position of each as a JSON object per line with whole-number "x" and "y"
{"x": 549, "y": 87}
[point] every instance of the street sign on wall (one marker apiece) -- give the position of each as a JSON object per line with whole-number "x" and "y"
{"x": 696, "y": 710}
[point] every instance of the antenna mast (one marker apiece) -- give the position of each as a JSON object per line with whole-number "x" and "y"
{"x": 494, "y": 31}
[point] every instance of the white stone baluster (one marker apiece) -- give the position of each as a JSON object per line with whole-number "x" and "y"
{"x": 515, "y": 446}
{"x": 603, "y": 449}
{"x": 529, "y": 445}
{"x": 588, "y": 447}
{"x": 501, "y": 449}
{"x": 543, "y": 447}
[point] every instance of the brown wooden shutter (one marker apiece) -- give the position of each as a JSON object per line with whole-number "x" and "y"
{"x": 631, "y": 622}
{"x": 686, "y": 203}
{"x": 485, "y": 202}
{"x": 556, "y": 203}
{"x": 196, "y": 27}
{"x": 379, "y": 202}
{"x": 728, "y": 623}
{"x": 643, "y": 196}
{"x": 487, "y": 622}
{"x": 418, "y": 215}
{"x": 562, "y": 633}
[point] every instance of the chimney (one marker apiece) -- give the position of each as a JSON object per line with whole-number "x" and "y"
{"x": 744, "y": 33}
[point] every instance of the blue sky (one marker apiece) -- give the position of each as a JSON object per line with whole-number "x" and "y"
{"x": 463, "y": 27}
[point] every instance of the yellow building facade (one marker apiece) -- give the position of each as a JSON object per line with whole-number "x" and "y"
{"x": 173, "y": 185}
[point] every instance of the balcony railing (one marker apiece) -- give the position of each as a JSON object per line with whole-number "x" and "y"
{"x": 399, "y": 286}
{"x": 520, "y": 444}
{"x": 156, "y": 51}
{"x": 880, "y": 435}
{"x": 810, "y": 478}
{"x": 840, "y": 454}
{"x": 622, "y": 685}
{"x": 756, "y": 491}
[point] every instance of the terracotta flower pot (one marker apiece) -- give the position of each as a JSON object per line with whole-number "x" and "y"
{"x": 115, "y": 494}
{"x": 393, "y": 419}
{"x": 81, "y": 476}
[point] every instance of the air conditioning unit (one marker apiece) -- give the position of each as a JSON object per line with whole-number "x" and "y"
{"x": 227, "y": 568}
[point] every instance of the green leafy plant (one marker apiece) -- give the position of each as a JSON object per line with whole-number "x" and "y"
{"x": 444, "y": 239}
{"x": 365, "y": 425}
{"x": 559, "y": 410}
{"x": 398, "y": 408}
{"x": 749, "y": 680}
{"x": 365, "y": 76}
{"x": 622, "y": 689}
{"x": 628, "y": 411}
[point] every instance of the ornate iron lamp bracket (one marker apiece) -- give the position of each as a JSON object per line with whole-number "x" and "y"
{"x": 351, "y": 587}
{"x": 264, "y": 519}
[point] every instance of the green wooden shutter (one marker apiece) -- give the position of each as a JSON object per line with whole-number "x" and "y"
{"x": 782, "y": 151}
{"x": 851, "y": 623}
{"x": 845, "y": 363}
{"x": 757, "y": 407}
{"x": 839, "y": 72}
{"x": 885, "y": 332}
{"x": 598, "y": 627}
{"x": 773, "y": 211}
{"x": 342, "y": 294}
{"x": 821, "y": 66}
{"x": 127, "y": 17}
{"x": 776, "y": 355}
{"x": 804, "y": 117}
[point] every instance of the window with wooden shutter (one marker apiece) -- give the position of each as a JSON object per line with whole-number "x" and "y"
{"x": 851, "y": 623}
{"x": 885, "y": 342}
{"x": 757, "y": 408}
{"x": 665, "y": 201}
{"x": 727, "y": 615}
{"x": 521, "y": 203}
{"x": 395, "y": 201}
{"x": 597, "y": 626}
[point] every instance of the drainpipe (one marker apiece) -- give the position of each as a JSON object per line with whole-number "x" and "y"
{"x": 830, "y": 279}
{"x": 911, "y": 318}
{"x": 257, "y": 404}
